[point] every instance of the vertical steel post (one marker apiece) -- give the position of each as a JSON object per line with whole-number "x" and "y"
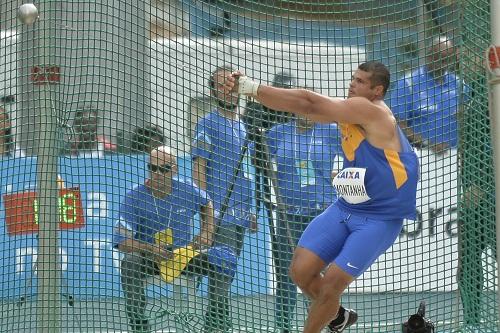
{"x": 48, "y": 304}
{"x": 495, "y": 114}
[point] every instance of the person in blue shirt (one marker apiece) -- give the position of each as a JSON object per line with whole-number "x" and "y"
{"x": 426, "y": 102}
{"x": 377, "y": 188}
{"x": 304, "y": 153}
{"x": 218, "y": 144}
{"x": 163, "y": 205}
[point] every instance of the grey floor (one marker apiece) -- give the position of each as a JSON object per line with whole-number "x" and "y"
{"x": 382, "y": 312}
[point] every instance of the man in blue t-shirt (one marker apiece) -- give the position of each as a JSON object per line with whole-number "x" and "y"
{"x": 426, "y": 102}
{"x": 218, "y": 144}
{"x": 304, "y": 153}
{"x": 155, "y": 218}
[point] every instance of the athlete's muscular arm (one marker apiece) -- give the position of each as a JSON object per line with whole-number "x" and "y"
{"x": 317, "y": 107}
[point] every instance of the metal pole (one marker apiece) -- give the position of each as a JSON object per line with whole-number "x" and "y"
{"x": 119, "y": 67}
{"x": 495, "y": 119}
{"x": 48, "y": 305}
{"x": 421, "y": 32}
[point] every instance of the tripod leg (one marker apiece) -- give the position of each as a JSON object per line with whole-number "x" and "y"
{"x": 271, "y": 181}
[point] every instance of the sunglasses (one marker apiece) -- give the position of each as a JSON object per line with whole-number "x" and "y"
{"x": 161, "y": 168}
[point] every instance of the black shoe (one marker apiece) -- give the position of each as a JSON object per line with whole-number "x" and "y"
{"x": 350, "y": 318}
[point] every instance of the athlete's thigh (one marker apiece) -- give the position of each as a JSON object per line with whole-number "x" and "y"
{"x": 368, "y": 239}
{"x": 326, "y": 234}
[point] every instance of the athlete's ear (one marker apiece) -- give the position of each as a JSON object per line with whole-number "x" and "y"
{"x": 379, "y": 90}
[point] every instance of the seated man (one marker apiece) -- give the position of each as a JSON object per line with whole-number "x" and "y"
{"x": 155, "y": 233}
{"x": 86, "y": 140}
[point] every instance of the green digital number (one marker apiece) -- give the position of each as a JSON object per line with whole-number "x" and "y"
{"x": 65, "y": 208}
{"x": 67, "y": 212}
{"x": 35, "y": 210}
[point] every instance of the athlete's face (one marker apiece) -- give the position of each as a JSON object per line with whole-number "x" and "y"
{"x": 225, "y": 100}
{"x": 361, "y": 86}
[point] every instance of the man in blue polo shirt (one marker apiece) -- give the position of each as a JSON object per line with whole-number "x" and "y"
{"x": 162, "y": 208}
{"x": 426, "y": 102}
{"x": 304, "y": 153}
{"x": 218, "y": 144}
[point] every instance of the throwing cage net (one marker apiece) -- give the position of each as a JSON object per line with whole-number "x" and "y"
{"x": 134, "y": 198}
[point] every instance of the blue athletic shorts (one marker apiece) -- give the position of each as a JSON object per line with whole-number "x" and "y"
{"x": 352, "y": 242}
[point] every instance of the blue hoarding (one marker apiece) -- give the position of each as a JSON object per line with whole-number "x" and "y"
{"x": 89, "y": 263}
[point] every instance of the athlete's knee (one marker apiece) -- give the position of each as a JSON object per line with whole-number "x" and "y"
{"x": 329, "y": 292}
{"x": 335, "y": 281}
{"x": 295, "y": 270}
{"x": 301, "y": 275}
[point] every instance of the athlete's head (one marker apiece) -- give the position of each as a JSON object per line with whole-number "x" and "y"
{"x": 86, "y": 124}
{"x": 162, "y": 166}
{"x": 371, "y": 80}
{"x": 228, "y": 101}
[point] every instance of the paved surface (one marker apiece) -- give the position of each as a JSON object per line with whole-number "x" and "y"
{"x": 383, "y": 312}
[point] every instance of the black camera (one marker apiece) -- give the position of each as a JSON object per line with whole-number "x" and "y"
{"x": 258, "y": 116}
{"x": 417, "y": 323}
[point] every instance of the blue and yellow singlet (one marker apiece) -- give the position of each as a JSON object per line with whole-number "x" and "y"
{"x": 376, "y": 183}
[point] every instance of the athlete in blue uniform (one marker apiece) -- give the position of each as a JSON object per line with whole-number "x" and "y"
{"x": 377, "y": 188}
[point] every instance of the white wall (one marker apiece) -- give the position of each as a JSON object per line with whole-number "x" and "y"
{"x": 181, "y": 68}
{"x": 8, "y": 70}
{"x": 424, "y": 258}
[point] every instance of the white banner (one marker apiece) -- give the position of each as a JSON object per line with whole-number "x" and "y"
{"x": 425, "y": 257}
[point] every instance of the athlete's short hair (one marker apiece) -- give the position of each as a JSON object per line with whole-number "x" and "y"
{"x": 380, "y": 74}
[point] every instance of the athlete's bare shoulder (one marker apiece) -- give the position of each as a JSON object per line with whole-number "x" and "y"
{"x": 382, "y": 132}
{"x": 363, "y": 112}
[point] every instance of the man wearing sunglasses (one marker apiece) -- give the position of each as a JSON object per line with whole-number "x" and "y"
{"x": 155, "y": 220}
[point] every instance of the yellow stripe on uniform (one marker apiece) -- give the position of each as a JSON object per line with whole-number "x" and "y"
{"x": 397, "y": 167}
{"x": 351, "y": 139}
